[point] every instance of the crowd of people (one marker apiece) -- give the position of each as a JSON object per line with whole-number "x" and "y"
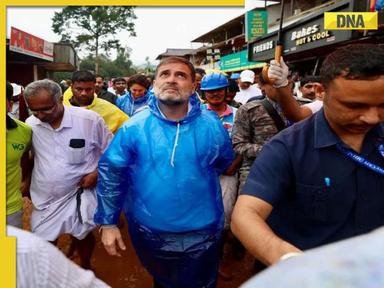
{"x": 198, "y": 160}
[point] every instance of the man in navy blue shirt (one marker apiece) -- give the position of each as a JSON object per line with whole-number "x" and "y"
{"x": 322, "y": 179}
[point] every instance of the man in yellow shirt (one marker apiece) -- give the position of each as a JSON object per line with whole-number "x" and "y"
{"x": 19, "y": 136}
{"x": 83, "y": 95}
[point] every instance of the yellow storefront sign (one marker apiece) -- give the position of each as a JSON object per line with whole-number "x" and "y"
{"x": 350, "y": 20}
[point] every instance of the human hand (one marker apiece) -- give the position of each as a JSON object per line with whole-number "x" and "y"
{"x": 109, "y": 237}
{"x": 278, "y": 73}
{"x": 235, "y": 165}
{"x": 24, "y": 188}
{"x": 89, "y": 180}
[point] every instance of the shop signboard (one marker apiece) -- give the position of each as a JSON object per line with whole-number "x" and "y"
{"x": 307, "y": 34}
{"x": 237, "y": 61}
{"x": 256, "y": 24}
{"x": 312, "y": 35}
{"x": 28, "y": 44}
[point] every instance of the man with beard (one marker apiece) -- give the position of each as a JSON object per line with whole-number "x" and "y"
{"x": 163, "y": 167}
{"x": 321, "y": 180}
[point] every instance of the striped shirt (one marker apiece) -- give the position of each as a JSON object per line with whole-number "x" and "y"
{"x": 40, "y": 264}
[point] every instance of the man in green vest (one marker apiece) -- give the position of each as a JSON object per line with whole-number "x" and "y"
{"x": 18, "y": 142}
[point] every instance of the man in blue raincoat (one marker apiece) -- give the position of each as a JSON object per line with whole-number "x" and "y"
{"x": 163, "y": 168}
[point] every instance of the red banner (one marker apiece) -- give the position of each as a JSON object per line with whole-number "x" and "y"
{"x": 28, "y": 44}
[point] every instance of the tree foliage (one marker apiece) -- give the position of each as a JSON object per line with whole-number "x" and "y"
{"x": 94, "y": 28}
{"x": 59, "y": 75}
{"x": 121, "y": 66}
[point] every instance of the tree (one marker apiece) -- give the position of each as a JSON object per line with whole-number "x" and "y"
{"x": 59, "y": 76}
{"x": 120, "y": 67}
{"x": 94, "y": 27}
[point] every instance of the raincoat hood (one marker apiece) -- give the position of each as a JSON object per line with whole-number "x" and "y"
{"x": 129, "y": 104}
{"x": 141, "y": 100}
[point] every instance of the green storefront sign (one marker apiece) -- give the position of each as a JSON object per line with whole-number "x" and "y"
{"x": 256, "y": 24}
{"x": 237, "y": 61}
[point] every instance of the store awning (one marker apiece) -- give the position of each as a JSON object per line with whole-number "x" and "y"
{"x": 303, "y": 35}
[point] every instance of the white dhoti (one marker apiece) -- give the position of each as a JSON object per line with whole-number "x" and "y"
{"x": 229, "y": 192}
{"x": 72, "y": 214}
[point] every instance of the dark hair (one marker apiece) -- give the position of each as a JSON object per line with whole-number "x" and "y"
{"x": 233, "y": 86}
{"x": 83, "y": 76}
{"x": 174, "y": 59}
{"x": 309, "y": 78}
{"x": 119, "y": 79}
{"x": 139, "y": 79}
{"x": 99, "y": 76}
{"x": 200, "y": 71}
{"x": 9, "y": 92}
{"x": 354, "y": 61}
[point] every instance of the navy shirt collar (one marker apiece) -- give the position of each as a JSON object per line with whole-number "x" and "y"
{"x": 325, "y": 137}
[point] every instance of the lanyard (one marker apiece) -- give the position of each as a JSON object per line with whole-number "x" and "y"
{"x": 381, "y": 150}
{"x": 361, "y": 160}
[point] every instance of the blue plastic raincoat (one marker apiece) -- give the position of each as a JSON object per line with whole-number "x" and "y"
{"x": 130, "y": 105}
{"x": 166, "y": 176}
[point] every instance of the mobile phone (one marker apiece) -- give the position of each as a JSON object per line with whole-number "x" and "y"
{"x": 77, "y": 143}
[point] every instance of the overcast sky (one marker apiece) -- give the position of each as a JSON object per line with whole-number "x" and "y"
{"x": 157, "y": 28}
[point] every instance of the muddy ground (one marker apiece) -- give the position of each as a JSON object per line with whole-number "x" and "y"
{"x": 126, "y": 271}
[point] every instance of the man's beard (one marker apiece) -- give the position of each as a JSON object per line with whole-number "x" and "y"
{"x": 171, "y": 102}
{"x": 170, "y": 99}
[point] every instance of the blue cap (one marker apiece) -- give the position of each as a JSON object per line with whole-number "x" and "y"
{"x": 235, "y": 76}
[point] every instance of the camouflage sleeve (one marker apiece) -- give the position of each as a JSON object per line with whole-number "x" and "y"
{"x": 252, "y": 129}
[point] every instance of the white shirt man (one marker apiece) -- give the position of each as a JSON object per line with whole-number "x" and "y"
{"x": 58, "y": 169}
{"x": 314, "y": 106}
{"x": 247, "y": 88}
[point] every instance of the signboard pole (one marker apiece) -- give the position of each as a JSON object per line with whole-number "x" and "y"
{"x": 279, "y": 43}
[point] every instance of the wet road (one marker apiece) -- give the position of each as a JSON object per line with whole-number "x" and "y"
{"x": 126, "y": 271}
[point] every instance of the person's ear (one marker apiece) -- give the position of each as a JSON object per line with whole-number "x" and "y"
{"x": 319, "y": 91}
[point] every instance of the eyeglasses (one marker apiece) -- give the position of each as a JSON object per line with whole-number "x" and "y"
{"x": 44, "y": 110}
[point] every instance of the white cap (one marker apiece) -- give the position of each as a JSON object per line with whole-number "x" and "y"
{"x": 247, "y": 76}
{"x": 16, "y": 89}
